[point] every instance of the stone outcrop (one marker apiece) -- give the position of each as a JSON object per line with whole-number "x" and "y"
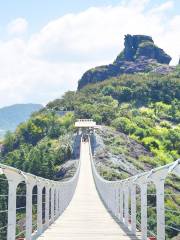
{"x": 138, "y": 46}
{"x": 140, "y": 54}
{"x": 126, "y": 162}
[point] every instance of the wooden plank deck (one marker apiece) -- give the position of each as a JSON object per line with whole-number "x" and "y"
{"x": 86, "y": 218}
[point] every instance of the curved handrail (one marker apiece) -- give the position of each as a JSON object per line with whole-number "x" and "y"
{"x": 116, "y": 195}
{"x": 63, "y": 191}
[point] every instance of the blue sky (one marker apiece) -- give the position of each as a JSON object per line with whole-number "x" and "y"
{"x": 40, "y": 12}
{"x": 46, "y": 45}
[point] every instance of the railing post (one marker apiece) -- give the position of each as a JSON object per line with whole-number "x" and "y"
{"x": 11, "y": 231}
{"x": 126, "y": 205}
{"x": 14, "y": 178}
{"x": 160, "y": 210}
{"x": 121, "y": 203}
{"x": 143, "y": 187}
{"x": 47, "y": 207}
{"x": 105, "y": 196}
{"x": 159, "y": 178}
{"x": 29, "y": 187}
{"x": 57, "y": 203}
{"x": 133, "y": 208}
{"x": 117, "y": 202}
{"x": 60, "y": 200}
{"x": 111, "y": 193}
{"x": 114, "y": 200}
{"x": 65, "y": 197}
{"x": 52, "y": 204}
{"x": 39, "y": 209}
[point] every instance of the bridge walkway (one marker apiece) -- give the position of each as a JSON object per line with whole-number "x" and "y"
{"x": 86, "y": 218}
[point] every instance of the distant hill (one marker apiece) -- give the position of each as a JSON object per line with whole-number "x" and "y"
{"x": 13, "y": 115}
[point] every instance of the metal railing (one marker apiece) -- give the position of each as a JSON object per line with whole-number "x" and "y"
{"x": 85, "y": 120}
{"x": 50, "y": 194}
{"x": 120, "y": 198}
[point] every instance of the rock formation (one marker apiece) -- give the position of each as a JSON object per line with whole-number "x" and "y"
{"x": 138, "y": 46}
{"x": 140, "y": 54}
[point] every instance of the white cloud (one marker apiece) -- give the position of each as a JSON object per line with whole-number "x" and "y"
{"x": 17, "y": 26}
{"x": 164, "y": 7}
{"x": 136, "y": 4}
{"x": 52, "y": 60}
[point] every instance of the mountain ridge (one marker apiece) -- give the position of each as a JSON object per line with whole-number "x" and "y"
{"x": 11, "y": 116}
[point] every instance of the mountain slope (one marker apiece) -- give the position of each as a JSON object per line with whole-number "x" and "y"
{"x": 13, "y": 115}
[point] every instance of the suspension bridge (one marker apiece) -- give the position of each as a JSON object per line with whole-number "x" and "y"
{"x": 87, "y": 206}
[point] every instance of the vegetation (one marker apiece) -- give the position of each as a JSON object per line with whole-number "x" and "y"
{"x": 144, "y": 106}
{"x": 40, "y": 145}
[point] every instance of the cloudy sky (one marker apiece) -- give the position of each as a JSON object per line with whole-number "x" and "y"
{"x": 46, "y": 45}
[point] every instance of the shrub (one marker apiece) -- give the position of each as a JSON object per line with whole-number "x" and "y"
{"x": 151, "y": 143}
{"x": 123, "y": 124}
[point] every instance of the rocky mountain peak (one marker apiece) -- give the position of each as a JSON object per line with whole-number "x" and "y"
{"x": 137, "y": 46}
{"x": 140, "y": 54}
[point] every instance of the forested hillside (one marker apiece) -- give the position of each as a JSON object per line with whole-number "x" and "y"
{"x": 40, "y": 145}
{"x": 144, "y": 106}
